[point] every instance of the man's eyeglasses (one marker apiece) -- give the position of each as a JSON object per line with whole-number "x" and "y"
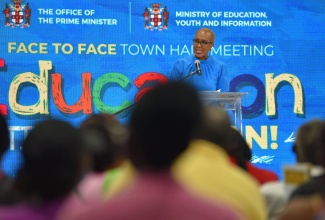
{"x": 203, "y": 43}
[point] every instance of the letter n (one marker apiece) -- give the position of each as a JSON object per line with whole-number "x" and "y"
{"x": 270, "y": 88}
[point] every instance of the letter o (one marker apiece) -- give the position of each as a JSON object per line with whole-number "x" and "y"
{"x": 215, "y": 14}
{"x": 258, "y": 106}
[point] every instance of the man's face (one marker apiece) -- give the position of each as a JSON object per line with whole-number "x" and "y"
{"x": 200, "y": 50}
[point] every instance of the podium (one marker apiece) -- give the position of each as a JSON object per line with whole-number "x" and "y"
{"x": 229, "y": 101}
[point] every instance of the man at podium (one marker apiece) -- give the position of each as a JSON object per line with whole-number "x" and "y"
{"x": 203, "y": 71}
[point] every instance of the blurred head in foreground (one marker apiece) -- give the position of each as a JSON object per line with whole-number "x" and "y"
{"x": 162, "y": 124}
{"x": 215, "y": 126}
{"x": 104, "y": 139}
{"x": 52, "y": 161}
{"x": 4, "y": 136}
{"x": 310, "y": 143}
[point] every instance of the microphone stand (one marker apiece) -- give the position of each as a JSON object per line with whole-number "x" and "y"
{"x": 189, "y": 75}
{"x": 124, "y": 109}
{"x": 130, "y": 106}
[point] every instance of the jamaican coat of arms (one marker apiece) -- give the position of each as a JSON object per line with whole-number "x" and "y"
{"x": 17, "y": 14}
{"x": 155, "y": 17}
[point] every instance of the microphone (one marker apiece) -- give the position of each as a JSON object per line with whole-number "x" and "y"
{"x": 198, "y": 67}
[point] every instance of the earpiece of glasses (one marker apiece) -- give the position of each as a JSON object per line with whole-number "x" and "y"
{"x": 203, "y": 43}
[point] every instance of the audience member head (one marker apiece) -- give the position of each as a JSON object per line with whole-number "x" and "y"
{"x": 104, "y": 139}
{"x": 238, "y": 148}
{"x": 310, "y": 143}
{"x": 52, "y": 162}
{"x": 215, "y": 126}
{"x": 304, "y": 208}
{"x": 4, "y": 136}
{"x": 162, "y": 125}
{"x": 5, "y": 182}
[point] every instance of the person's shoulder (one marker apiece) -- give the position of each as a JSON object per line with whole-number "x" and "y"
{"x": 273, "y": 188}
{"x": 215, "y": 61}
{"x": 186, "y": 59}
{"x": 263, "y": 175}
{"x": 313, "y": 186}
{"x": 220, "y": 62}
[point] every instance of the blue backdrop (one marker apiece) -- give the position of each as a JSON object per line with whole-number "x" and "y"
{"x": 67, "y": 60}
